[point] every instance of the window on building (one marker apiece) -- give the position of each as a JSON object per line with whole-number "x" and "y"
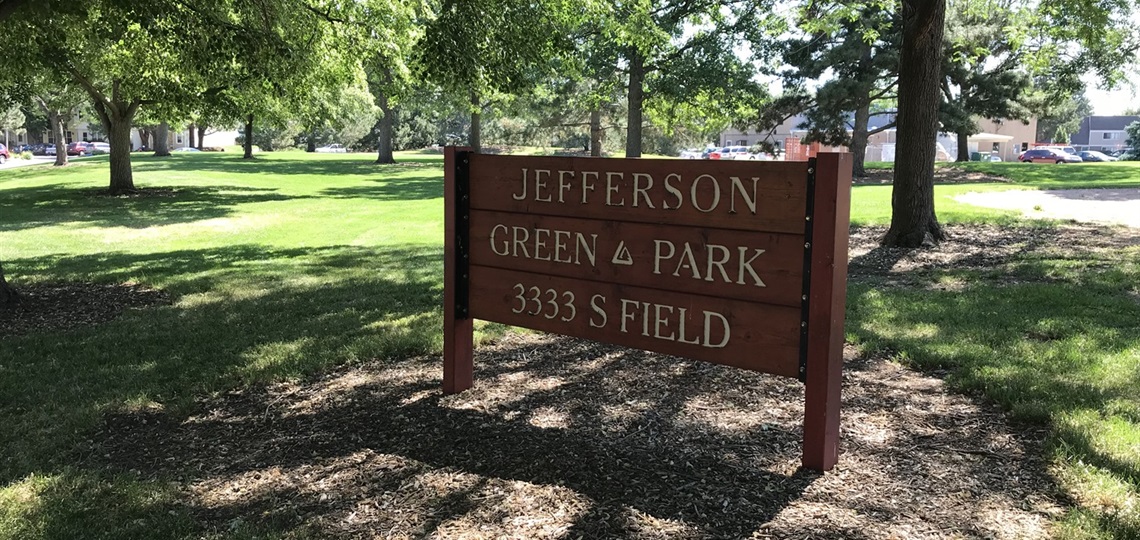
{"x": 997, "y": 147}
{"x": 178, "y": 138}
{"x": 84, "y": 137}
{"x": 70, "y": 136}
{"x": 1108, "y": 136}
{"x": 1024, "y": 146}
{"x": 20, "y": 138}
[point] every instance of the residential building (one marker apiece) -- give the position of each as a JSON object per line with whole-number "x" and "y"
{"x": 1006, "y": 139}
{"x": 79, "y": 129}
{"x": 1102, "y": 132}
{"x": 776, "y": 136}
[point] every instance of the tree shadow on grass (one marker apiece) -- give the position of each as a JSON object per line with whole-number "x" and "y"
{"x": 1041, "y": 350}
{"x": 402, "y": 188}
{"x": 282, "y": 165}
{"x": 243, "y": 314}
{"x": 50, "y": 205}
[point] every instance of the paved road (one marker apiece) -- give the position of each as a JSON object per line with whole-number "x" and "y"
{"x": 1115, "y": 206}
{"x": 36, "y": 160}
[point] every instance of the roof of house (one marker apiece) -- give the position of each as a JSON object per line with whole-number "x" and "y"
{"x": 1100, "y": 123}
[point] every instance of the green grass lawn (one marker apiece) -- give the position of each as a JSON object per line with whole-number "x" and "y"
{"x": 294, "y": 262}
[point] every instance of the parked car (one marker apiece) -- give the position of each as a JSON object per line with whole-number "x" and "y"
{"x": 187, "y": 149}
{"x": 732, "y": 152}
{"x": 96, "y": 148}
{"x": 1093, "y": 155}
{"x": 77, "y": 148}
{"x": 1061, "y": 147}
{"x": 49, "y": 149}
{"x": 333, "y": 148}
{"x": 4, "y": 155}
{"x": 692, "y": 153}
{"x": 1047, "y": 155}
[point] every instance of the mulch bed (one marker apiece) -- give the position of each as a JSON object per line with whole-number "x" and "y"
{"x": 946, "y": 174}
{"x": 567, "y": 438}
{"x": 65, "y": 306}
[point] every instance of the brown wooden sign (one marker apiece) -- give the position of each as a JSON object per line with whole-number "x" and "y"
{"x": 738, "y": 263}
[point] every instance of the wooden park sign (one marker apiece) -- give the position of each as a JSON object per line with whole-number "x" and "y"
{"x": 742, "y": 263}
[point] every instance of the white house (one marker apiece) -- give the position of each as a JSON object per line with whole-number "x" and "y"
{"x": 79, "y": 129}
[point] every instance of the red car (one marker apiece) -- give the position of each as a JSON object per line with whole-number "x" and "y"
{"x": 78, "y": 148}
{"x": 4, "y": 155}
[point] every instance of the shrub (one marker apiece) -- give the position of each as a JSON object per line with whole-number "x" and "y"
{"x": 25, "y": 155}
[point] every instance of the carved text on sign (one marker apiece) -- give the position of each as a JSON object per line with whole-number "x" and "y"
{"x": 704, "y": 192}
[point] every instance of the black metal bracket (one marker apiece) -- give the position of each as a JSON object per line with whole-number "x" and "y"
{"x": 805, "y": 298}
{"x": 462, "y": 234}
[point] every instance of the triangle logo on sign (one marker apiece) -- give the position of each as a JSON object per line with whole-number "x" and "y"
{"x": 622, "y": 256}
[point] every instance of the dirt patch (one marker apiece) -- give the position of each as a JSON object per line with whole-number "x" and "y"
{"x": 138, "y": 193}
{"x": 66, "y": 306}
{"x": 977, "y": 247}
{"x": 1113, "y": 206}
{"x": 946, "y": 174}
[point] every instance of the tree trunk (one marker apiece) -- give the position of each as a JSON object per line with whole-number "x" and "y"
{"x": 384, "y": 133}
{"x": 8, "y": 294}
{"x": 162, "y": 140}
{"x": 201, "y": 136}
{"x": 248, "y": 137}
{"x": 119, "y": 136}
{"x": 190, "y": 141}
{"x": 59, "y": 129}
{"x": 913, "y": 222}
{"x": 311, "y": 141}
{"x": 859, "y": 140}
{"x": 475, "y": 138}
{"x": 963, "y": 146}
{"x": 636, "y": 97}
{"x": 596, "y": 133}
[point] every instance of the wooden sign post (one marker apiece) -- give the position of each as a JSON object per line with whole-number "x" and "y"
{"x": 733, "y": 262}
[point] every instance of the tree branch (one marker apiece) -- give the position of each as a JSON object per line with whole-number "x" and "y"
{"x": 880, "y": 129}
{"x": 96, "y": 94}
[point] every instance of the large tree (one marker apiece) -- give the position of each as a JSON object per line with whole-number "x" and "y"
{"x": 983, "y": 68}
{"x": 1067, "y": 38}
{"x": 913, "y": 221}
{"x": 1056, "y": 112}
{"x": 387, "y": 63}
{"x": 849, "y": 52}
{"x": 675, "y": 51}
{"x": 479, "y": 49}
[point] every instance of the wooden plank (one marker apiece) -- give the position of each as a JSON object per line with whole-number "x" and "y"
{"x": 458, "y": 366}
{"x": 747, "y": 335}
{"x": 827, "y": 301}
{"x": 768, "y": 196}
{"x": 749, "y": 266}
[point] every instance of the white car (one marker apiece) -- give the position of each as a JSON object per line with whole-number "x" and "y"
{"x": 333, "y": 148}
{"x": 732, "y": 152}
{"x": 691, "y": 153}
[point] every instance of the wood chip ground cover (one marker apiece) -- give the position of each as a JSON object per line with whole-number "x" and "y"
{"x": 566, "y": 438}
